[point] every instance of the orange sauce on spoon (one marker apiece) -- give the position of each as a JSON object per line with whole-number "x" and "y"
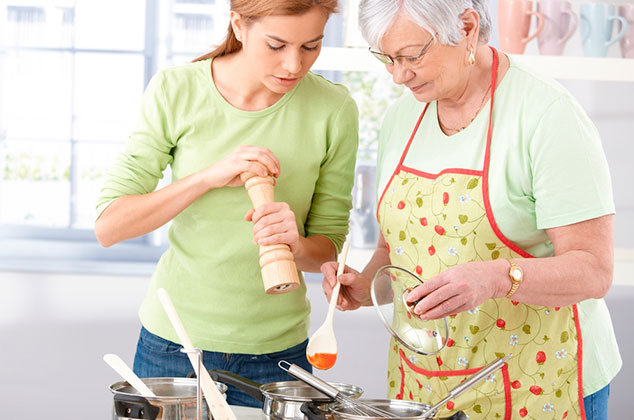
{"x": 322, "y": 361}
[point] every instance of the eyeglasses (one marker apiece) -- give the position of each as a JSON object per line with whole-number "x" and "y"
{"x": 409, "y": 61}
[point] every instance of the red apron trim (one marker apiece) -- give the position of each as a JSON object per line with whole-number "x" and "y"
{"x": 579, "y": 360}
{"x": 400, "y": 162}
{"x": 444, "y": 171}
{"x": 399, "y": 396}
{"x": 485, "y": 177}
{"x": 508, "y": 404}
{"x": 505, "y": 379}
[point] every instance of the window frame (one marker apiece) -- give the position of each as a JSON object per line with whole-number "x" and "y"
{"x": 76, "y": 249}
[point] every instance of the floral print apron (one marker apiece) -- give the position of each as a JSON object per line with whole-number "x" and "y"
{"x": 432, "y": 222}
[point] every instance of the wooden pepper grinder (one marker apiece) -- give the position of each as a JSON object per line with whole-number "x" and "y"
{"x": 279, "y": 272}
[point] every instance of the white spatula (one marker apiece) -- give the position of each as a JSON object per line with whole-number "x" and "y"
{"x": 126, "y": 373}
{"x": 216, "y": 402}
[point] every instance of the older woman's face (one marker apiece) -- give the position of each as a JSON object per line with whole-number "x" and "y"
{"x": 437, "y": 74}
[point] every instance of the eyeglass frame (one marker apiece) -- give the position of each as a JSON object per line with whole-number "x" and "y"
{"x": 390, "y": 61}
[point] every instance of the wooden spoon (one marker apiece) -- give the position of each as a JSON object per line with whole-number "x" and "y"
{"x": 126, "y": 373}
{"x": 215, "y": 401}
{"x": 322, "y": 346}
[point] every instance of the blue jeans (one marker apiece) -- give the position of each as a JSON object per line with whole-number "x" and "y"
{"x": 596, "y": 405}
{"x": 157, "y": 357}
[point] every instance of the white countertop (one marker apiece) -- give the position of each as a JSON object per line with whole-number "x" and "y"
{"x": 247, "y": 413}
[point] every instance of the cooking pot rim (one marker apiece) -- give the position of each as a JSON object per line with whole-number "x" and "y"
{"x": 115, "y": 387}
{"x": 269, "y": 390}
{"x": 374, "y": 402}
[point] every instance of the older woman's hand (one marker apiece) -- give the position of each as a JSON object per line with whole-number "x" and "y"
{"x": 457, "y": 289}
{"x": 355, "y": 287}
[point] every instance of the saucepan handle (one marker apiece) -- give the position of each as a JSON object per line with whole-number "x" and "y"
{"x": 312, "y": 412}
{"x": 244, "y": 384}
{"x": 134, "y": 407}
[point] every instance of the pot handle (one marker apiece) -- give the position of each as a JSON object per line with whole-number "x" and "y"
{"x": 312, "y": 412}
{"x": 134, "y": 407}
{"x": 244, "y": 384}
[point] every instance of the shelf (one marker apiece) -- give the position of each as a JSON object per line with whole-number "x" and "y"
{"x": 567, "y": 68}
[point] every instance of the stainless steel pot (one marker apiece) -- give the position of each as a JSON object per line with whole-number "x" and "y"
{"x": 175, "y": 400}
{"x": 397, "y": 409}
{"x": 283, "y": 400}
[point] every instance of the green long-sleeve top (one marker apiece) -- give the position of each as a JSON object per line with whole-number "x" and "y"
{"x": 211, "y": 268}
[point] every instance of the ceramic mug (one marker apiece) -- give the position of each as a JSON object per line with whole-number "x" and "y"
{"x": 626, "y": 11}
{"x": 597, "y": 20}
{"x": 514, "y": 24}
{"x": 560, "y": 24}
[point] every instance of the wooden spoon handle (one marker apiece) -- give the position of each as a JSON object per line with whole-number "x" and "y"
{"x": 126, "y": 373}
{"x": 216, "y": 402}
{"x": 335, "y": 291}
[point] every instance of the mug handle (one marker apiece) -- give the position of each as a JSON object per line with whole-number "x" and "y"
{"x": 540, "y": 26}
{"x": 585, "y": 29}
{"x": 572, "y": 27}
{"x": 621, "y": 34}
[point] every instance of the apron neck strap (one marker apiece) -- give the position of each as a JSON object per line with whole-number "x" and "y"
{"x": 494, "y": 74}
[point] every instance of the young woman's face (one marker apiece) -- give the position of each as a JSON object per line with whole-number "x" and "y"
{"x": 280, "y": 50}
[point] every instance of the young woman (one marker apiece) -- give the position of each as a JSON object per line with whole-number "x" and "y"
{"x": 250, "y": 102}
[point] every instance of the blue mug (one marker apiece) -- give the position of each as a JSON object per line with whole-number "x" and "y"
{"x": 597, "y": 21}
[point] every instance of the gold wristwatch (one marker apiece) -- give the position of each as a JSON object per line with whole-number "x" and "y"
{"x": 516, "y": 275}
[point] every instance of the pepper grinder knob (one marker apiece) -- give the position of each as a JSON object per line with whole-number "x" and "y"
{"x": 279, "y": 273}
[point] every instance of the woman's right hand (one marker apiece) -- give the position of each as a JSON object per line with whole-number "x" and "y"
{"x": 355, "y": 287}
{"x": 226, "y": 172}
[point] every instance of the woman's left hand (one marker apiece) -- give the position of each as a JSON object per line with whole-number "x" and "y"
{"x": 274, "y": 223}
{"x": 456, "y": 289}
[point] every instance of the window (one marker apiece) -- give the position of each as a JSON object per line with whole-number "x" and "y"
{"x": 72, "y": 73}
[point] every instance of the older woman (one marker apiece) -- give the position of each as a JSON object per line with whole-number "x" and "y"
{"x": 495, "y": 190}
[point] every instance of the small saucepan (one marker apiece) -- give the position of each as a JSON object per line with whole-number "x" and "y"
{"x": 283, "y": 400}
{"x": 175, "y": 399}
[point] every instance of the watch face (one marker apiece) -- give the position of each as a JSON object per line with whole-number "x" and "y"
{"x": 516, "y": 273}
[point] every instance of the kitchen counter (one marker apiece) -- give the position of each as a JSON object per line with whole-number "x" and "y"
{"x": 247, "y": 413}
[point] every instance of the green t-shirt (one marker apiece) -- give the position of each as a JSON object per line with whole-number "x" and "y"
{"x": 547, "y": 169}
{"x": 211, "y": 268}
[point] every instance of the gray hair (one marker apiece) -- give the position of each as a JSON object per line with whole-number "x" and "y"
{"x": 441, "y": 17}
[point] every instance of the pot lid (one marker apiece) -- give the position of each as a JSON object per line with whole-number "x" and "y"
{"x": 390, "y": 287}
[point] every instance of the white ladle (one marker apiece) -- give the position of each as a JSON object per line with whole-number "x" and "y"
{"x": 215, "y": 401}
{"x": 322, "y": 346}
{"x": 126, "y": 373}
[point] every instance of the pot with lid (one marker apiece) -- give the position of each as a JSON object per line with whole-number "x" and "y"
{"x": 175, "y": 400}
{"x": 283, "y": 400}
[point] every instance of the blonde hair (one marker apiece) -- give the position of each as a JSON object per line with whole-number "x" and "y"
{"x": 250, "y": 10}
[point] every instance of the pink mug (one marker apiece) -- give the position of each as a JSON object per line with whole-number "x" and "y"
{"x": 514, "y": 23}
{"x": 560, "y": 24}
{"x": 627, "y": 42}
